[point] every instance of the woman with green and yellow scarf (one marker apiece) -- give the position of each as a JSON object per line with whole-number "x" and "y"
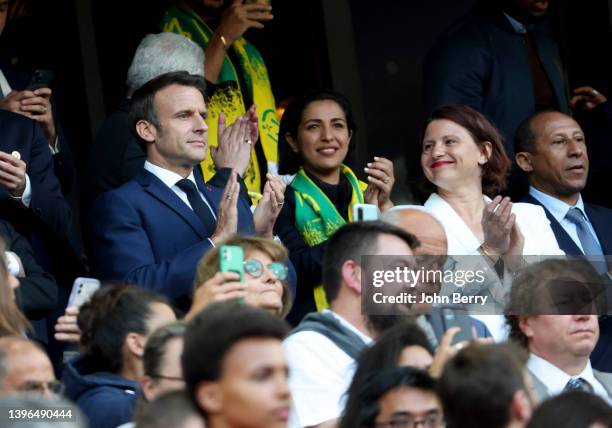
{"x": 317, "y": 135}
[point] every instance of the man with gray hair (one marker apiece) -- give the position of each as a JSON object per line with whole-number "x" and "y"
{"x": 116, "y": 156}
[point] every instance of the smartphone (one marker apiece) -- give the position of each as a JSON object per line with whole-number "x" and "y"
{"x": 39, "y": 79}
{"x": 451, "y": 319}
{"x": 82, "y": 290}
{"x": 365, "y": 212}
{"x": 232, "y": 260}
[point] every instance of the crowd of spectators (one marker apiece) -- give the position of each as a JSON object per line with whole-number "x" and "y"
{"x": 224, "y": 273}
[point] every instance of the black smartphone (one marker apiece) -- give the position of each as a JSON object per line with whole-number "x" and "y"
{"x": 39, "y": 79}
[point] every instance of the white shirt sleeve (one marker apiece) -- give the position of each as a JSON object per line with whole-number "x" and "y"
{"x": 26, "y": 198}
{"x": 319, "y": 375}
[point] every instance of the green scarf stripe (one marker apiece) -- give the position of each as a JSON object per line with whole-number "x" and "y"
{"x": 316, "y": 217}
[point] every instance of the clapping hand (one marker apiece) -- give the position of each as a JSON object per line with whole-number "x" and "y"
{"x": 227, "y": 214}
{"x": 380, "y": 183}
{"x": 236, "y": 141}
{"x": 270, "y": 206}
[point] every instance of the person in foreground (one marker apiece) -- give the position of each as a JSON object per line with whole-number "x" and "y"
{"x": 235, "y": 368}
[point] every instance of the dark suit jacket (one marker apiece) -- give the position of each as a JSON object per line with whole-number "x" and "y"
{"x": 601, "y": 219}
{"x": 482, "y": 62}
{"x": 62, "y": 161}
{"x": 143, "y": 233}
{"x": 114, "y": 158}
{"x": 48, "y": 212}
{"x": 37, "y": 292}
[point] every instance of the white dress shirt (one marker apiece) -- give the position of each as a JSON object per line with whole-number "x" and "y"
{"x": 559, "y": 210}
{"x": 555, "y": 379}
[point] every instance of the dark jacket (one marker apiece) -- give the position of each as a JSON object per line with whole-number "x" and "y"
{"x": 63, "y": 163}
{"x": 601, "y": 219}
{"x": 106, "y": 399}
{"x": 483, "y": 63}
{"x": 37, "y": 292}
{"x": 115, "y": 157}
{"x": 144, "y": 234}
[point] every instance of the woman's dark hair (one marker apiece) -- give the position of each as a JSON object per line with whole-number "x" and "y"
{"x": 385, "y": 354}
{"x": 288, "y": 161}
{"x": 155, "y": 348}
{"x": 495, "y": 171}
{"x": 575, "y": 409}
{"x": 362, "y": 406}
{"x": 114, "y": 311}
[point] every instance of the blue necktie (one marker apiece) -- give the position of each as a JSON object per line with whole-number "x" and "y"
{"x": 578, "y": 384}
{"x": 587, "y": 240}
{"x": 195, "y": 200}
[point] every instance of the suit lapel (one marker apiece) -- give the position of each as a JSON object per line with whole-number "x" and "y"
{"x": 600, "y": 224}
{"x": 566, "y": 243}
{"x": 157, "y": 189}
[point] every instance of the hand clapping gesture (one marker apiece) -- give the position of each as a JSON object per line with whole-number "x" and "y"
{"x": 270, "y": 206}
{"x": 380, "y": 183}
{"x": 236, "y": 141}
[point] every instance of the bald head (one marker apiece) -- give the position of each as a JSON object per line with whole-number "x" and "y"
{"x": 424, "y": 226}
{"x": 24, "y": 366}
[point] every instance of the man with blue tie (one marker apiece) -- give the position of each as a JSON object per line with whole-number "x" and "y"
{"x": 153, "y": 230}
{"x": 551, "y": 149}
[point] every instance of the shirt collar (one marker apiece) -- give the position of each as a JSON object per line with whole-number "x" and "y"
{"x": 557, "y": 207}
{"x": 518, "y": 26}
{"x": 553, "y": 377}
{"x": 4, "y": 84}
{"x": 169, "y": 178}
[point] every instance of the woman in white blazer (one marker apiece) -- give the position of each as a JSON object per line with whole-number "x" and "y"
{"x": 466, "y": 167}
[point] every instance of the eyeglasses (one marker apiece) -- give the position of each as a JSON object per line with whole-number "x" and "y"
{"x": 255, "y": 268}
{"x": 56, "y": 387}
{"x": 430, "y": 421}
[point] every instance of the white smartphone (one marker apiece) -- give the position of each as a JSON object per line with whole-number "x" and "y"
{"x": 365, "y": 212}
{"x": 82, "y": 290}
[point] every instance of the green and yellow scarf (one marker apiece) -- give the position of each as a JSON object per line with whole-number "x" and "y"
{"x": 228, "y": 98}
{"x": 316, "y": 217}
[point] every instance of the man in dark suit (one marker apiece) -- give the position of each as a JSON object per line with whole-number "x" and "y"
{"x": 153, "y": 230}
{"x": 502, "y": 60}
{"x": 30, "y": 196}
{"x": 552, "y": 151}
{"x": 35, "y": 104}
{"x": 116, "y": 155}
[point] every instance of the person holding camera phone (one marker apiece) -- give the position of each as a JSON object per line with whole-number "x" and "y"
{"x": 317, "y": 135}
{"x": 237, "y": 73}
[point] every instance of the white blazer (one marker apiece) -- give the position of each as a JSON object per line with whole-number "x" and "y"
{"x": 531, "y": 220}
{"x": 539, "y": 240}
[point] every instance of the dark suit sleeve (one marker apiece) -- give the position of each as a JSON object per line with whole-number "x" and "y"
{"x": 456, "y": 71}
{"x": 121, "y": 250}
{"x": 63, "y": 162}
{"x": 37, "y": 292}
{"x": 47, "y": 202}
{"x": 308, "y": 261}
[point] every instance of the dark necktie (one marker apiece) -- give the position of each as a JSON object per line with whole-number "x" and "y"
{"x": 578, "y": 384}
{"x": 195, "y": 200}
